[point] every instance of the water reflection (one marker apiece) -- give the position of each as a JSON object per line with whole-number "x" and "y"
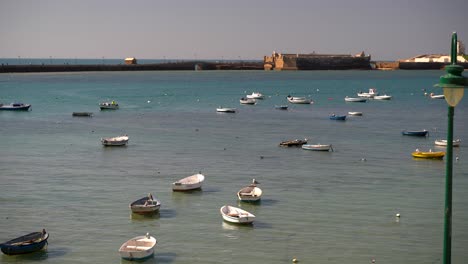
{"x": 144, "y": 217}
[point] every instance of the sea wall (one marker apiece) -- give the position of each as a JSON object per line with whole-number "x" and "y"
{"x": 176, "y": 66}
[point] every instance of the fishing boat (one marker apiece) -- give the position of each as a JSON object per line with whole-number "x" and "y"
{"x": 281, "y": 107}
{"x": 415, "y": 133}
{"x": 443, "y": 142}
{"x": 113, "y": 105}
{"x": 428, "y": 154}
{"x": 115, "y": 141}
{"x": 145, "y": 205}
{"x": 189, "y": 183}
{"x": 255, "y": 95}
{"x": 15, "y": 107}
{"x": 318, "y": 147}
{"x": 249, "y": 101}
{"x": 298, "y": 100}
{"x": 250, "y": 193}
{"x": 293, "y": 143}
{"x": 355, "y": 99}
{"x": 236, "y": 215}
{"x": 372, "y": 92}
{"x": 29, "y": 243}
{"x": 355, "y": 113}
{"x": 138, "y": 248}
{"x": 225, "y": 110}
{"x": 84, "y": 114}
{"x": 382, "y": 97}
{"x": 436, "y": 96}
{"x": 337, "y": 117}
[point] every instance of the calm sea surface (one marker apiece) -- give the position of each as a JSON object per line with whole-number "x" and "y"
{"x": 335, "y": 207}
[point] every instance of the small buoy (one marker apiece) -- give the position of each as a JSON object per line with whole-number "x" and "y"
{"x": 397, "y": 215}
{"x": 373, "y": 260}
{"x": 457, "y": 158}
{"x": 363, "y": 159}
{"x": 149, "y": 101}
{"x": 294, "y": 260}
{"x": 261, "y": 157}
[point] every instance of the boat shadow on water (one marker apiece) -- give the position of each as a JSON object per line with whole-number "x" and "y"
{"x": 159, "y": 257}
{"x": 46, "y": 253}
{"x": 144, "y": 217}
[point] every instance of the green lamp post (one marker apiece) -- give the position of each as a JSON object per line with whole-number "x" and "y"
{"x": 453, "y": 84}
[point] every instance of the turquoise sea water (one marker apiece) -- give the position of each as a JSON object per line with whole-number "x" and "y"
{"x": 335, "y": 207}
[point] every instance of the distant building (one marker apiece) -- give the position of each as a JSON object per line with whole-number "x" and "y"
{"x": 315, "y": 61}
{"x": 442, "y": 58}
{"x": 130, "y": 61}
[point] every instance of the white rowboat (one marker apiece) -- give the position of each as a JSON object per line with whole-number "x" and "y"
{"x": 138, "y": 248}
{"x": 236, "y": 215}
{"x": 189, "y": 183}
{"x": 115, "y": 141}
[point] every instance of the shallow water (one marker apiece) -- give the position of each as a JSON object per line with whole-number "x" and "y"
{"x": 332, "y": 207}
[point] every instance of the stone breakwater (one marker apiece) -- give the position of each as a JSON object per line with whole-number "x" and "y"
{"x": 173, "y": 66}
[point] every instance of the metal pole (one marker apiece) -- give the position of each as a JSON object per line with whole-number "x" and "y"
{"x": 448, "y": 190}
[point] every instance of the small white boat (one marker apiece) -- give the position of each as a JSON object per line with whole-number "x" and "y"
{"x": 249, "y": 101}
{"x": 372, "y": 92}
{"x": 383, "y": 97}
{"x": 189, "y": 183}
{"x": 109, "y": 105}
{"x": 443, "y": 142}
{"x": 115, "y": 141}
{"x": 145, "y": 205}
{"x": 226, "y": 110}
{"x": 318, "y": 147}
{"x": 437, "y": 96}
{"x": 355, "y": 113}
{"x": 298, "y": 100}
{"x": 255, "y": 95}
{"x": 138, "y": 248}
{"x": 250, "y": 193}
{"x": 15, "y": 107}
{"x": 355, "y": 99}
{"x": 236, "y": 215}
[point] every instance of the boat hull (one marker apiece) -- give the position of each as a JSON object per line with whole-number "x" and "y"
{"x": 15, "y": 108}
{"x": 12, "y": 248}
{"x": 115, "y": 141}
{"x": 339, "y": 118}
{"x": 236, "y": 215}
{"x": 225, "y": 110}
{"x": 415, "y": 133}
{"x": 317, "y": 147}
{"x": 249, "y": 194}
{"x": 145, "y": 205}
{"x": 138, "y": 248}
{"x": 443, "y": 143}
{"x": 428, "y": 155}
{"x": 190, "y": 183}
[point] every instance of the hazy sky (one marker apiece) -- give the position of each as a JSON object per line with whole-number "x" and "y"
{"x": 231, "y": 29}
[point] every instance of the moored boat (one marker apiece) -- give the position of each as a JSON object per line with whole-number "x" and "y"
{"x": 15, "y": 107}
{"x": 145, "y": 205}
{"x": 249, "y": 101}
{"x": 293, "y": 143}
{"x": 250, "y": 193}
{"x": 355, "y": 113}
{"x": 298, "y": 100}
{"x": 281, "y": 107}
{"x": 382, "y": 97}
{"x": 113, "y": 105}
{"x": 226, "y": 110}
{"x": 236, "y": 215}
{"x": 85, "y": 114}
{"x": 255, "y": 95}
{"x": 428, "y": 154}
{"x": 355, "y": 99}
{"x": 318, "y": 147}
{"x": 29, "y": 243}
{"x": 138, "y": 248}
{"x": 337, "y": 117}
{"x": 115, "y": 141}
{"x": 415, "y": 133}
{"x": 443, "y": 142}
{"x": 437, "y": 96}
{"x": 372, "y": 92}
{"x": 189, "y": 183}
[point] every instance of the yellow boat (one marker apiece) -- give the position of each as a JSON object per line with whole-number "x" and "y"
{"x": 428, "y": 154}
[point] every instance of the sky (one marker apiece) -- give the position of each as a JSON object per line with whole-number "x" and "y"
{"x": 228, "y": 29}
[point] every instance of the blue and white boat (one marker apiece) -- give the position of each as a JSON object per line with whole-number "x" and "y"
{"x": 29, "y": 243}
{"x": 15, "y": 107}
{"x": 337, "y": 117}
